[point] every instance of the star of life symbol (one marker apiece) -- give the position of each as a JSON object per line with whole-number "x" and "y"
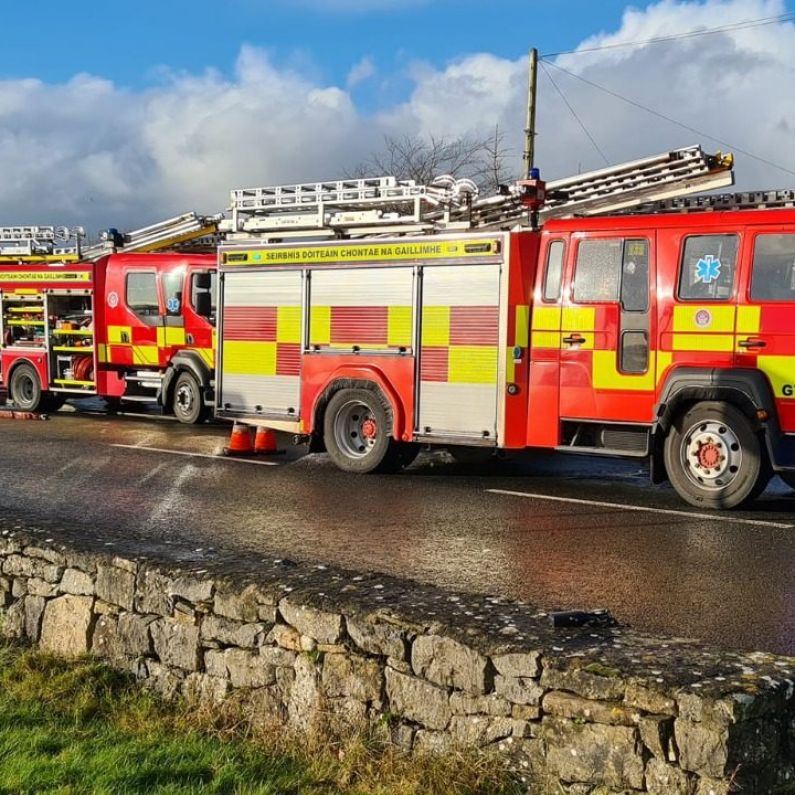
{"x": 708, "y": 269}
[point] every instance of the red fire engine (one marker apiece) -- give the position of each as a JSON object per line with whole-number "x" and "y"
{"x": 667, "y": 336}
{"x": 123, "y": 326}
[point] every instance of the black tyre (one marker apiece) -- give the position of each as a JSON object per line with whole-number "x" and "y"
{"x": 188, "y": 400}
{"x": 24, "y": 388}
{"x": 714, "y": 458}
{"x": 357, "y": 429}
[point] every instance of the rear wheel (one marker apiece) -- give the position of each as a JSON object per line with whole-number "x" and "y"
{"x": 188, "y": 401}
{"x": 357, "y": 429}
{"x": 24, "y": 388}
{"x": 714, "y": 458}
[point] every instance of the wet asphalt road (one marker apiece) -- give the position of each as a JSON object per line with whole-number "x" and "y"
{"x": 729, "y": 579}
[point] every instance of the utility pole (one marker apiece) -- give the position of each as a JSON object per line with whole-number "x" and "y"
{"x": 530, "y": 126}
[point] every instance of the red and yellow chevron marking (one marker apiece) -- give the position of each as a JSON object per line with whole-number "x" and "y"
{"x": 363, "y": 326}
{"x": 262, "y": 340}
{"x": 460, "y": 344}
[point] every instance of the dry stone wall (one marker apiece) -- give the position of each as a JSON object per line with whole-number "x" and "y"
{"x": 591, "y": 709}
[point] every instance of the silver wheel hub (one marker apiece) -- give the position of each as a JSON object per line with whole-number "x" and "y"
{"x": 711, "y": 454}
{"x": 356, "y": 430}
{"x": 185, "y": 398}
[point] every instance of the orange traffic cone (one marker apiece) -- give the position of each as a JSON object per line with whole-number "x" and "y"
{"x": 240, "y": 442}
{"x": 265, "y": 441}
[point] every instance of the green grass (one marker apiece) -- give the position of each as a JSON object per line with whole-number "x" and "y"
{"x": 73, "y": 728}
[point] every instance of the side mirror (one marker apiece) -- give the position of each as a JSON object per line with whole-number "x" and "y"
{"x": 202, "y": 281}
{"x": 204, "y": 304}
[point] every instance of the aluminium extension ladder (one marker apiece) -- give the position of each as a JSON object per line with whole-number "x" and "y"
{"x": 385, "y": 205}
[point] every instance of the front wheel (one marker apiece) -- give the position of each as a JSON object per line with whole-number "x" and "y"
{"x": 24, "y": 388}
{"x": 357, "y": 429}
{"x": 188, "y": 401}
{"x": 714, "y": 458}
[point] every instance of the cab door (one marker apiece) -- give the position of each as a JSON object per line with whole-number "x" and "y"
{"x": 134, "y": 316}
{"x": 765, "y": 333}
{"x": 171, "y": 330}
{"x": 607, "y": 365}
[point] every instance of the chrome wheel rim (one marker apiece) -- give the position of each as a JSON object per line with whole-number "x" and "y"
{"x": 711, "y": 455}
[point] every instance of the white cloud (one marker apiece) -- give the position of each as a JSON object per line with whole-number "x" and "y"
{"x": 88, "y": 151}
{"x": 361, "y": 71}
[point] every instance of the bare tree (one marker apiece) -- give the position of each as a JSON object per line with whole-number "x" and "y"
{"x": 493, "y": 170}
{"x": 423, "y": 159}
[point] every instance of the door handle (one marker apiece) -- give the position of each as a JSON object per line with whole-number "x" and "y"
{"x": 574, "y": 339}
{"x": 752, "y": 343}
{"x": 125, "y": 337}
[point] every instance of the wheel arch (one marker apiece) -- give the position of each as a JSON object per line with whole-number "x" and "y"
{"x": 360, "y": 378}
{"x": 748, "y": 390}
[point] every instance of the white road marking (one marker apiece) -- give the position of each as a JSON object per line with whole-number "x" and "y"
{"x": 714, "y": 517}
{"x": 198, "y": 455}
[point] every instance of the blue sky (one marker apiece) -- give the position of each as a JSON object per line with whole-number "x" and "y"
{"x": 128, "y": 41}
{"x": 130, "y": 111}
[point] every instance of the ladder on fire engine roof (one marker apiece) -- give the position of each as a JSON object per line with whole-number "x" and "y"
{"x": 385, "y": 205}
{"x": 62, "y": 244}
{"x": 748, "y": 200}
{"x": 39, "y": 244}
{"x": 177, "y": 232}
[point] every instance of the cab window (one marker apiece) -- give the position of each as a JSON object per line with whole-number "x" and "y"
{"x": 553, "y": 273}
{"x": 773, "y": 276}
{"x": 172, "y": 293}
{"x": 598, "y": 273}
{"x": 707, "y": 268}
{"x": 202, "y": 294}
{"x": 141, "y": 296}
{"x": 612, "y": 270}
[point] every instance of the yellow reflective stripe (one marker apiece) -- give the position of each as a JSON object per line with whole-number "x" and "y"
{"x": 749, "y": 319}
{"x": 246, "y": 357}
{"x": 510, "y": 367}
{"x": 102, "y": 353}
{"x": 436, "y": 326}
{"x": 472, "y": 364}
{"x": 546, "y": 339}
{"x": 288, "y": 324}
{"x": 664, "y": 361}
{"x": 578, "y": 318}
{"x": 781, "y": 372}
{"x": 206, "y": 354}
{"x": 522, "y": 326}
{"x": 546, "y": 317}
{"x": 607, "y": 376}
{"x": 399, "y": 326}
{"x": 145, "y": 354}
{"x": 721, "y": 318}
{"x": 703, "y": 342}
{"x": 170, "y": 335}
{"x": 115, "y": 332}
{"x": 320, "y": 325}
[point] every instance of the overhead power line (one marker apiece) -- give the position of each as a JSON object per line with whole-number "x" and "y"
{"x": 669, "y": 119}
{"x": 574, "y": 113}
{"x": 751, "y": 23}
